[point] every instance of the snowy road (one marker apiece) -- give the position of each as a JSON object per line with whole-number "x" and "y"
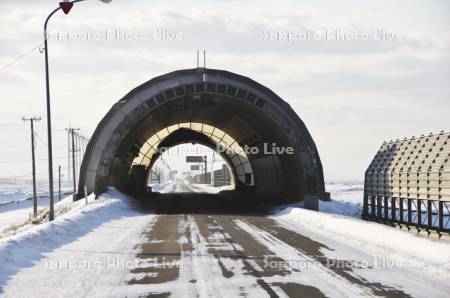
{"x": 239, "y": 256}
{"x": 109, "y": 249}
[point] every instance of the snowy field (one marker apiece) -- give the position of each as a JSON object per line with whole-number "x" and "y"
{"x": 182, "y": 185}
{"x": 16, "y": 204}
{"x": 91, "y": 248}
{"x": 16, "y": 199}
{"x": 10, "y": 192}
{"x": 78, "y": 230}
{"x": 346, "y": 198}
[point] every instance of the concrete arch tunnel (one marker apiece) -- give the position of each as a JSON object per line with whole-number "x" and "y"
{"x": 214, "y": 108}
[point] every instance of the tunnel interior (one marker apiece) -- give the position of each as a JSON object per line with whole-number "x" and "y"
{"x": 196, "y": 133}
{"x": 170, "y": 173}
{"x": 246, "y": 122}
{"x": 211, "y": 122}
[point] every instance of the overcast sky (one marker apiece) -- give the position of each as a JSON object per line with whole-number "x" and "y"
{"x": 384, "y": 76}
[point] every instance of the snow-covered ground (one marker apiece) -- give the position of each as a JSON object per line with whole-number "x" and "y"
{"x": 82, "y": 246}
{"x": 407, "y": 248}
{"x": 91, "y": 250}
{"x": 346, "y": 198}
{"x": 208, "y": 188}
{"x": 10, "y": 192}
{"x": 164, "y": 187}
{"x": 16, "y": 204}
{"x": 182, "y": 185}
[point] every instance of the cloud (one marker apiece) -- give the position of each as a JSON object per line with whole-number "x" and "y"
{"x": 352, "y": 94}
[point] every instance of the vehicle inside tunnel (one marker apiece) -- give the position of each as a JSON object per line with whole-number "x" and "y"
{"x": 265, "y": 146}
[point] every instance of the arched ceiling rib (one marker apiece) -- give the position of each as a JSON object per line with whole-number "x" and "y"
{"x": 218, "y": 137}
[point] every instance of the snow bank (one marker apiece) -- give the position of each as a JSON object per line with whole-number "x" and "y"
{"x": 428, "y": 254}
{"x": 206, "y": 188}
{"x": 11, "y": 193}
{"x": 341, "y": 207}
{"x": 346, "y": 199}
{"x": 183, "y": 185}
{"x": 18, "y": 212}
{"x": 73, "y": 220}
{"x": 163, "y": 187}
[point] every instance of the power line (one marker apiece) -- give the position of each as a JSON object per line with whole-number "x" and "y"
{"x": 10, "y": 124}
{"x": 20, "y": 57}
{"x": 28, "y": 160}
{"x": 41, "y": 140}
{"x": 29, "y": 174}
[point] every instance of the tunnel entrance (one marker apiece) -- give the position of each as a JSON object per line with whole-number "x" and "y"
{"x": 266, "y": 145}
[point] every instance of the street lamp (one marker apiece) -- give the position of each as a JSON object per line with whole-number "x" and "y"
{"x": 65, "y": 6}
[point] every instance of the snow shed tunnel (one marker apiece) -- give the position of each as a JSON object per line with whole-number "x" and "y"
{"x": 213, "y": 108}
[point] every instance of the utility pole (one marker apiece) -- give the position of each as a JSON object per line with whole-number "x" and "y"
{"x": 80, "y": 146}
{"x": 206, "y": 170}
{"x": 77, "y": 158}
{"x": 72, "y": 132}
{"x": 33, "y": 145}
{"x": 59, "y": 183}
{"x": 68, "y": 153}
{"x": 81, "y": 153}
{"x": 212, "y": 168}
{"x": 82, "y": 142}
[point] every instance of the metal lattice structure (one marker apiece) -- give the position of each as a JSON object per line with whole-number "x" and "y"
{"x": 408, "y": 183}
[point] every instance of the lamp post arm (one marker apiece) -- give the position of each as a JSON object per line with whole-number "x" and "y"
{"x": 52, "y": 13}
{"x": 48, "y": 18}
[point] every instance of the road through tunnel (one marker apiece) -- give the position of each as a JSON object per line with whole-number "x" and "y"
{"x": 266, "y": 145}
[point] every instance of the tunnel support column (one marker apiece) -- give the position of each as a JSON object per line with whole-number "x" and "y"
{"x": 138, "y": 177}
{"x": 311, "y": 202}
